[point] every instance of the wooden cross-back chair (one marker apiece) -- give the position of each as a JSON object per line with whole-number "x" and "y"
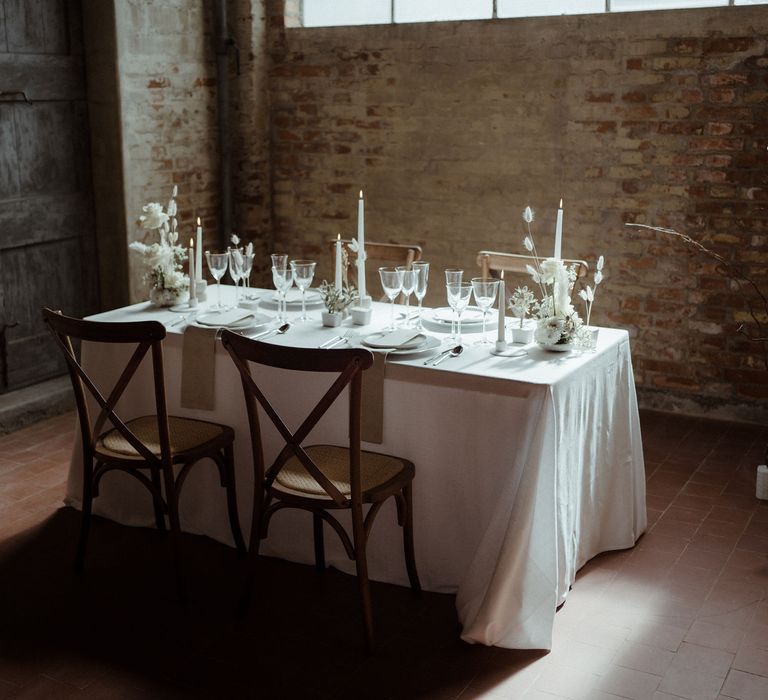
{"x": 492, "y": 263}
{"x": 377, "y": 255}
{"x": 153, "y": 443}
{"x": 321, "y": 478}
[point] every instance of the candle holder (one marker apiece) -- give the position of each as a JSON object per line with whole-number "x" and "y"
{"x": 361, "y": 316}
{"x": 201, "y": 290}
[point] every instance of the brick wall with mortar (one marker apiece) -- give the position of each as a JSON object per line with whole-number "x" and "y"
{"x": 167, "y": 66}
{"x": 452, "y": 128}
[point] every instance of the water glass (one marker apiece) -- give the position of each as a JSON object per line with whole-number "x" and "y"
{"x": 391, "y": 283}
{"x": 458, "y": 299}
{"x": 303, "y": 274}
{"x": 236, "y": 270}
{"x": 453, "y": 276}
{"x": 217, "y": 265}
{"x": 282, "y": 277}
{"x": 421, "y": 270}
{"x": 485, "y": 290}
{"x": 409, "y": 282}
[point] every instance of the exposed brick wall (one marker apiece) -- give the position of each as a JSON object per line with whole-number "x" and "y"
{"x": 167, "y": 83}
{"x": 452, "y": 128}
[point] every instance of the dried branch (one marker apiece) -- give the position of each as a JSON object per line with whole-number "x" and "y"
{"x": 729, "y": 271}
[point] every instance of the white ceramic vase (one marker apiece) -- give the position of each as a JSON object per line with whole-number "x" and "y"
{"x": 332, "y": 319}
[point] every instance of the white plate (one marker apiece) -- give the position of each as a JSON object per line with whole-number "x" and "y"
{"x": 374, "y": 341}
{"x": 428, "y": 346}
{"x": 293, "y": 299}
{"x": 472, "y": 314}
{"x": 209, "y": 320}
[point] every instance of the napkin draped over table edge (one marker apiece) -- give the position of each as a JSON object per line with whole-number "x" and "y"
{"x": 198, "y": 366}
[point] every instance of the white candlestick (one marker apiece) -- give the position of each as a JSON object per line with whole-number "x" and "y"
{"x": 337, "y": 279}
{"x": 502, "y": 337}
{"x": 192, "y": 279}
{"x": 361, "y": 249}
{"x": 199, "y": 252}
{"x": 559, "y": 233}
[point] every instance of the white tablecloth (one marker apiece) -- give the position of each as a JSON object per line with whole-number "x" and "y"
{"x": 525, "y": 469}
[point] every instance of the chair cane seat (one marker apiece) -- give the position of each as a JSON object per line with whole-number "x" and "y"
{"x": 185, "y": 434}
{"x": 375, "y": 470}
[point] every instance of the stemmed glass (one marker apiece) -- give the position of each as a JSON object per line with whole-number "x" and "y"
{"x": 217, "y": 265}
{"x": 236, "y": 270}
{"x": 391, "y": 283}
{"x": 453, "y": 276}
{"x": 409, "y": 282}
{"x": 458, "y": 298}
{"x": 485, "y": 290}
{"x": 303, "y": 273}
{"x": 247, "y": 267}
{"x": 421, "y": 271}
{"x": 283, "y": 280}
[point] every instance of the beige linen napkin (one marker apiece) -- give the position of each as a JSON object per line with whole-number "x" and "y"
{"x": 198, "y": 362}
{"x": 372, "y": 424}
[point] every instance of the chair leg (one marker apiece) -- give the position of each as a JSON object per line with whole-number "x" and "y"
{"x": 234, "y": 517}
{"x": 410, "y": 558}
{"x": 174, "y": 541}
{"x": 253, "y": 551}
{"x": 157, "y": 500}
{"x": 317, "y": 525}
{"x": 85, "y": 521}
{"x": 361, "y": 563}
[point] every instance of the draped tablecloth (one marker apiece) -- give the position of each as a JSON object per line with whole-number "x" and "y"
{"x": 526, "y": 467}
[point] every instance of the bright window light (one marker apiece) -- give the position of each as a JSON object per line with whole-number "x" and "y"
{"x": 330, "y": 13}
{"x": 441, "y": 10}
{"x": 543, "y": 8}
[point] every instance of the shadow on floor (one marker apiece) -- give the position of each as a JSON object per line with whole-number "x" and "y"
{"x": 118, "y": 631}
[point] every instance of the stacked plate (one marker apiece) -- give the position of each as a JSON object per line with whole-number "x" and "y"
{"x": 235, "y": 319}
{"x": 471, "y": 320}
{"x": 403, "y": 344}
{"x": 293, "y": 300}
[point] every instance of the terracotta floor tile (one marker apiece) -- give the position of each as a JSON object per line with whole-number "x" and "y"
{"x": 642, "y": 657}
{"x": 656, "y": 635}
{"x": 698, "y": 659}
{"x": 745, "y": 686}
{"x": 715, "y": 636}
{"x": 688, "y": 604}
{"x": 752, "y": 660}
{"x": 693, "y": 686}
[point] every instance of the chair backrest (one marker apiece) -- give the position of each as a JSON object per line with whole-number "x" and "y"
{"x": 146, "y": 335}
{"x": 492, "y": 263}
{"x": 377, "y": 255}
{"x": 348, "y": 364}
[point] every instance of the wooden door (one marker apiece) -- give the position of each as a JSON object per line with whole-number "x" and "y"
{"x": 47, "y": 238}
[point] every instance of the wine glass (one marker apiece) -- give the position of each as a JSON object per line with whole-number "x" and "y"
{"x": 409, "y": 282}
{"x": 217, "y": 265}
{"x": 283, "y": 280}
{"x": 236, "y": 270}
{"x": 485, "y": 290}
{"x": 247, "y": 267}
{"x": 458, "y": 299}
{"x": 391, "y": 283}
{"x": 421, "y": 270}
{"x": 453, "y": 276}
{"x": 303, "y": 273}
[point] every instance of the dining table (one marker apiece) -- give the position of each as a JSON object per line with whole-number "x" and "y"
{"x": 528, "y": 463}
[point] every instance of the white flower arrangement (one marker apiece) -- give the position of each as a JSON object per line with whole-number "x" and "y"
{"x": 164, "y": 258}
{"x": 522, "y": 302}
{"x": 558, "y": 322}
